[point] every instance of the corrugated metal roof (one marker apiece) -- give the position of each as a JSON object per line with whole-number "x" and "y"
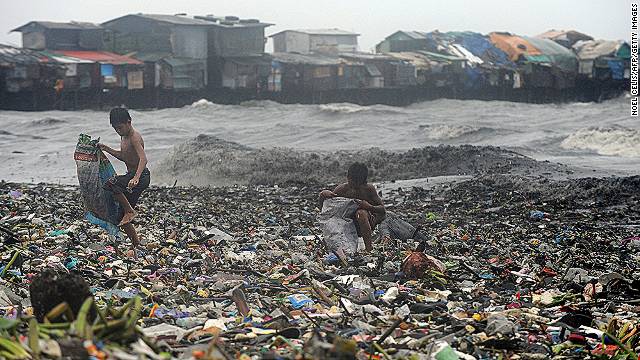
{"x": 14, "y": 55}
{"x": 311, "y": 59}
{"x": 417, "y": 35}
{"x": 179, "y": 61}
{"x": 592, "y": 49}
{"x": 566, "y": 38}
{"x": 170, "y": 19}
{"x": 440, "y": 57}
{"x": 250, "y": 60}
{"x": 225, "y": 22}
{"x": 197, "y": 20}
{"x": 334, "y": 32}
{"x": 174, "y": 19}
{"x": 102, "y": 57}
{"x": 150, "y": 56}
{"x": 420, "y": 61}
{"x": 461, "y": 51}
{"x": 73, "y": 25}
{"x": 62, "y": 59}
{"x": 365, "y": 56}
{"x": 563, "y": 34}
{"x": 551, "y": 34}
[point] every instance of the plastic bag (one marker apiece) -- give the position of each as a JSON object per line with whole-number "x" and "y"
{"x": 94, "y": 169}
{"x": 338, "y": 227}
{"x": 396, "y": 228}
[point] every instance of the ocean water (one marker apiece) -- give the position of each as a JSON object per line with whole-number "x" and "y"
{"x": 38, "y": 146}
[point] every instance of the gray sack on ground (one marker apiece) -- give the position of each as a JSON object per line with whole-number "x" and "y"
{"x": 396, "y": 228}
{"x": 338, "y": 227}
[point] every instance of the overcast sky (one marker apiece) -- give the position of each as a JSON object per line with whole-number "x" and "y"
{"x": 374, "y": 19}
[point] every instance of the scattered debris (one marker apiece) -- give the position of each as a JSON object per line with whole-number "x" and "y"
{"x": 243, "y": 272}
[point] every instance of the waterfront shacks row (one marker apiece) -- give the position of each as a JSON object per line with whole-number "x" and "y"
{"x": 548, "y": 60}
{"x": 148, "y": 58}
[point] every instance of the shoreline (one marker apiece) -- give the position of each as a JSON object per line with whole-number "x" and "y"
{"x": 154, "y": 98}
{"x": 38, "y": 147}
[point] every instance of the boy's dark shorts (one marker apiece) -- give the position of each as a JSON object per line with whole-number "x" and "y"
{"x": 118, "y": 185}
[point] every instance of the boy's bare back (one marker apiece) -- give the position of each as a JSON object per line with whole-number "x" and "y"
{"x": 367, "y": 193}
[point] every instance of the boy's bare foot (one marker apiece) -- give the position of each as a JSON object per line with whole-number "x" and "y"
{"x": 127, "y": 217}
{"x": 343, "y": 258}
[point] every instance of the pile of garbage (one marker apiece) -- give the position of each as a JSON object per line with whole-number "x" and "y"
{"x": 506, "y": 267}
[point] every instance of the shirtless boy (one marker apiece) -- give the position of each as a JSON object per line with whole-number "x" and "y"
{"x": 371, "y": 211}
{"x": 127, "y": 188}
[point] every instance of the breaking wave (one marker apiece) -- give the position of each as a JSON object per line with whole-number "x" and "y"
{"x": 48, "y": 121}
{"x": 348, "y": 108}
{"x": 343, "y": 108}
{"x": 260, "y": 104}
{"x": 232, "y": 163}
{"x": 615, "y": 141}
{"x": 447, "y": 132}
{"x": 202, "y": 103}
{"x": 7, "y": 133}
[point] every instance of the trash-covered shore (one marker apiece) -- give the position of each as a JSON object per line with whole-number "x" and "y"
{"x": 533, "y": 268}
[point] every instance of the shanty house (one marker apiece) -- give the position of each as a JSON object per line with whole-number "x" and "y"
{"x": 116, "y": 71}
{"x": 564, "y": 62}
{"x": 320, "y": 40}
{"x": 26, "y": 70}
{"x": 603, "y": 59}
{"x": 48, "y": 35}
{"x": 379, "y": 69}
{"x": 544, "y": 62}
{"x": 245, "y": 72}
{"x": 433, "y": 69}
{"x": 392, "y": 71}
{"x": 232, "y": 36}
{"x": 181, "y": 73}
{"x": 79, "y": 73}
{"x": 488, "y": 65}
{"x": 401, "y": 41}
{"x": 300, "y": 73}
{"x": 183, "y": 40}
{"x": 236, "y": 52}
{"x": 566, "y": 38}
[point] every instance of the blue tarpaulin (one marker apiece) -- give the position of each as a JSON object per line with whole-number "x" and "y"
{"x": 474, "y": 77}
{"x": 480, "y": 46}
{"x": 617, "y": 69}
{"x": 106, "y": 70}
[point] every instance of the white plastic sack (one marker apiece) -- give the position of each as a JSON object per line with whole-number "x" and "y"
{"x": 338, "y": 227}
